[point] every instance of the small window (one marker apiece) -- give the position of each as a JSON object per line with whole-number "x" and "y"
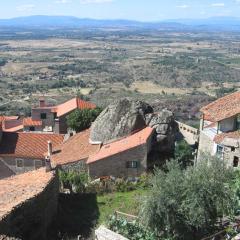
{"x": 19, "y": 163}
{"x": 219, "y": 149}
{"x": 43, "y": 116}
{"x": 235, "y": 162}
{"x": 132, "y": 164}
{"x": 32, "y": 129}
{"x": 38, "y": 164}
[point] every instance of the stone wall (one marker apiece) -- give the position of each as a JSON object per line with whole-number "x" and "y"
{"x": 189, "y": 134}
{"x": 29, "y": 219}
{"x": 103, "y": 233}
{"x": 28, "y": 164}
{"x": 36, "y": 115}
{"x": 206, "y": 145}
{"x": 116, "y": 165}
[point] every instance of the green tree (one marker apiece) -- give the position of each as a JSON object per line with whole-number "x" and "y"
{"x": 186, "y": 204}
{"x": 184, "y": 154}
{"x": 80, "y": 120}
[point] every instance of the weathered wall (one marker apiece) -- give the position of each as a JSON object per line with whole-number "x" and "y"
{"x": 206, "y": 146}
{"x": 77, "y": 167}
{"x": 28, "y": 164}
{"x": 116, "y": 165}
{"x": 31, "y": 219}
{"x": 189, "y": 134}
{"x": 36, "y": 115}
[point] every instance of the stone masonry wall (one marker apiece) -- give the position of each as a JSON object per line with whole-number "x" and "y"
{"x": 31, "y": 219}
{"x": 116, "y": 165}
{"x": 206, "y": 145}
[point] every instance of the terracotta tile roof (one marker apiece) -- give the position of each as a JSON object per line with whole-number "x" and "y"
{"x": 30, "y": 122}
{"x": 11, "y": 123}
{"x": 74, "y": 149}
{"x": 220, "y": 137}
{"x": 28, "y": 145}
{"x": 75, "y": 103}
{"x": 2, "y": 118}
{"x": 122, "y": 145}
{"x": 17, "y": 189}
{"x": 18, "y": 128}
{"x": 222, "y": 108}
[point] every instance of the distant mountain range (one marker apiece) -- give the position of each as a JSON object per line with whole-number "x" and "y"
{"x": 215, "y": 23}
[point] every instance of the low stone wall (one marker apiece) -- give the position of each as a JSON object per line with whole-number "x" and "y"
{"x": 28, "y": 218}
{"x": 189, "y": 133}
{"x": 103, "y": 233}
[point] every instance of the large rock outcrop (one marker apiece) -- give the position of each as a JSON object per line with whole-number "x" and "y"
{"x": 126, "y": 116}
{"x": 120, "y": 119}
{"x": 165, "y": 130}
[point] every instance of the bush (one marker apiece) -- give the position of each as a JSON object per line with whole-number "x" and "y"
{"x": 75, "y": 182}
{"x": 184, "y": 154}
{"x": 186, "y": 204}
{"x": 133, "y": 230}
{"x": 80, "y": 120}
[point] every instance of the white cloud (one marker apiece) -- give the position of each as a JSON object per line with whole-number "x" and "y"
{"x": 95, "y": 1}
{"x": 218, "y": 5}
{"x": 25, "y": 8}
{"x": 63, "y": 1}
{"x": 184, "y": 6}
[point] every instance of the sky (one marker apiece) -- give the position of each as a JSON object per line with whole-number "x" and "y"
{"x": 141, "y": 10}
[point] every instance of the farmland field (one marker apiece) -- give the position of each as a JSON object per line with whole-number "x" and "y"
{"x": 163, "y": 68}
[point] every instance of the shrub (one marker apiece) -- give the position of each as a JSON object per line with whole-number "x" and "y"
{"x": 184, "y": 154}
{"x": 133, "y": 230}
{"x": 186, "y": 204}
{"x": 75, "y": 182}
{"x": 82, "y": 119}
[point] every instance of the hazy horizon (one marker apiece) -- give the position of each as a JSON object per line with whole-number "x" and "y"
{"x": 138, "y": 10}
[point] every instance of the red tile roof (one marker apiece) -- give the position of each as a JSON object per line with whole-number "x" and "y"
{"x": 28, "y": 145}
{"x": 222, "y": 108}
{"x": 11, "y": 123}
{"x": 122, "y": 145}
{"x": 220, "y": 137}
{"x": 2, "y": 118}
{"x": 17, "y": 189}
{"x": 75, "y": 103}
{"x": 18, "y": 128}
{"x": 30, "y": 122}
{"x": 74, "y": 149}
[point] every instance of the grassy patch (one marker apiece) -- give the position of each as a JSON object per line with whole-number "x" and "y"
{"x": 128, "y": 202}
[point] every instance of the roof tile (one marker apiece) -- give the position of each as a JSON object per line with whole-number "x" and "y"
{"x": 222, "y": 108}
{"x": 28, "y": 145}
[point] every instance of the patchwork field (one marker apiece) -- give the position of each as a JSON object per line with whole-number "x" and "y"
{"x": 104, "y": 65}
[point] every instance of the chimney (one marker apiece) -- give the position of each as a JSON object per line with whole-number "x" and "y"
{"x": 49, "y": 149}
{"x": 42, "y": 102}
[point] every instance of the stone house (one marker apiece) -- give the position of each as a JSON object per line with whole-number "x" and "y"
{"x": 47, "y": 118}
{"x": 126, "y": 157}
{"x": 21, "y": 152}
{"x": 220, "y": 129}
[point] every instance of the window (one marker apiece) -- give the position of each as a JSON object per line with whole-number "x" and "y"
{"x": 19, "y": 163}
{"x": 235, "y": 162}
{"x": 43, "y": 116}
{"x": 132, "y": 164}
{"x": 219, "y": 149}
{"x": 32, "y": 129}
{"x": 38, "y": 164}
